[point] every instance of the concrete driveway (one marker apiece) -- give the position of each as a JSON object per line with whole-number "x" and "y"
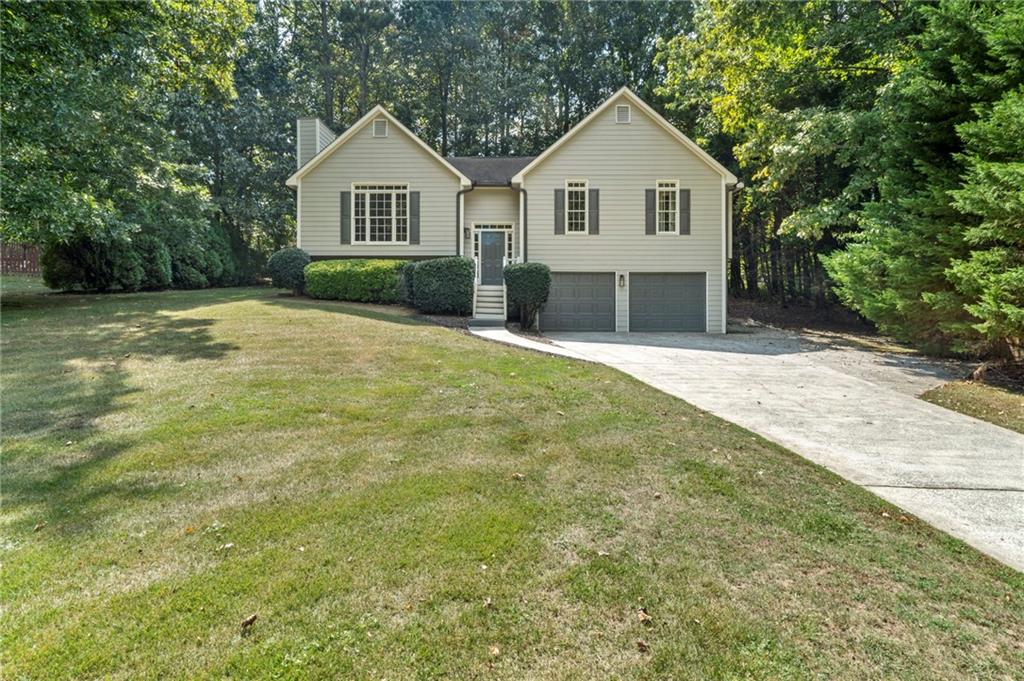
{"x": 850, "y": 409}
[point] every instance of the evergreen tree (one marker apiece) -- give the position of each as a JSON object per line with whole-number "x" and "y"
{"x": 914, "y": 269}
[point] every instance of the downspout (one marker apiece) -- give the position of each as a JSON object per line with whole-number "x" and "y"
{"x": 727, "y": 247}
{"x": 458, "y": 217}
{"x": 522, "y": 227}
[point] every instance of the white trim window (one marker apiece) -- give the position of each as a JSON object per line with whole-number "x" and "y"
{"x": 576, "y": 206}
{"x": 380, "y": 214}
{"x": 623, "y": 114}
{"x": 668, "y": 207}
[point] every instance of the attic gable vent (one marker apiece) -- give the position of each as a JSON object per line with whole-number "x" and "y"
{"x": 622, "y": 113}
{"x": 380, "y": 127}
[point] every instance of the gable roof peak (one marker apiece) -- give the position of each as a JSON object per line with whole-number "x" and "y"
{"x": 375, "y": 112}
{"x": 635, "y": 99}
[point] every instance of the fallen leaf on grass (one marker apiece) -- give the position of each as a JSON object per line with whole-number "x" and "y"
{"x": 643, "y": 616}
{"x": 248, "y": 622}
{"x": 39, "y": 526}
{"x": 488, "y": 603}
{"x": 642, "y": 646}
{"x": 518, "y": 476}
{"x": 495, "y": 651}
{"x": 225, "y": 547}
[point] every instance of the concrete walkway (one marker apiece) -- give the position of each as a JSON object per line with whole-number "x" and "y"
{"x": 502, "y": 335}
{"x": 850, "y": 409}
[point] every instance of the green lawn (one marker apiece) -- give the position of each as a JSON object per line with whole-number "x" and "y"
{"x": 991, "y": 403}
{"x": 396, "y": 500}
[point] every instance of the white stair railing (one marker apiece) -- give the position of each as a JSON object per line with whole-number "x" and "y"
{"x": 476, "y": 281}
{"x": 504, "y": 290}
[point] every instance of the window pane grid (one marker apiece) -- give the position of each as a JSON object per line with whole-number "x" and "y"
{"x": 667, "y": 213}
{"x": 576, "y": 207}
{"x": 380, "y": 213}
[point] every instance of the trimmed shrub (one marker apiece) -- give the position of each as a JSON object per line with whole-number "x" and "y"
{"x": 286, "y": 269}
{"x": 61, "y": 269}
{"x": 92, "y": 265}
{"x": 156, "y": 262}
{"x": 527, "y": 286}
{"x": 443, "y": 286}
{"x": 405, "y": 280}
{"x": 189, "y": 267}
{"x": 364, "y": 281}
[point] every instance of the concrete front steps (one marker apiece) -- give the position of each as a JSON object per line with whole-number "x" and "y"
{"x": 490, "y": 305}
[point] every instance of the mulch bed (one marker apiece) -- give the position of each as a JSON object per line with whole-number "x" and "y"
{"x": 800, "y": 316}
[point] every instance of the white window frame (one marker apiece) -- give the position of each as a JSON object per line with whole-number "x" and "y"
{"x": 629, "y": 114}
{"x": 392, "y": 188}
{"x": 660, "y": 186}
{"x": 373, "y": 127}
{"x": 586, "y": 204}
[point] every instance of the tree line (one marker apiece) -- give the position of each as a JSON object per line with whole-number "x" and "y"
{"x": 883, "y": 147}
{"x": 880, "y": 141}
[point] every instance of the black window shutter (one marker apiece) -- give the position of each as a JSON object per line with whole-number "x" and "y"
{"x": 595, "y": 211}
{"x": 684, "y": 211}
{"x": 650, "y": 210}
{"x": 559, "y": 211}
{"x": 346, "y": 217}
{"x": 414, "y": 217}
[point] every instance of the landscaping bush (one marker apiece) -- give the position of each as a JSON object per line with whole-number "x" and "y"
{"x": 185, "y": 256}
{"x": 61, "y": 269}
{"x": 156, "y": 262}
{"x": 365, "y": 281}
{"x": 405, "y": 280}
{"x": 527, "y": 286}
{"x": 287, "y": 269}
{"x": 443, "y": 286}
{"x": 92, "y": 265}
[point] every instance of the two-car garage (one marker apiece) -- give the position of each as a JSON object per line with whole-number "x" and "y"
{"x": 657, "y": 301}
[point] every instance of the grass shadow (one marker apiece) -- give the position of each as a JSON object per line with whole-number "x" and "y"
{"x": 68, "y": 362}
{"x": 395, "y": 314}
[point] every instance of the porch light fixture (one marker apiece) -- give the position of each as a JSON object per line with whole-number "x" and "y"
{"x": 622, "y": 281}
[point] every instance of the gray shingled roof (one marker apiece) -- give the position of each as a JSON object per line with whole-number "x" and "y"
{"x": 490, "y": 171}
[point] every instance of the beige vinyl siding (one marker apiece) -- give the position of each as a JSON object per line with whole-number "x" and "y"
{"x": 623, "y": 160}
{"x": 490, "y": 205}
{"x": 395, "y": 159}
{"x": 306, "y": 136}
{"x": 324, "y": 136}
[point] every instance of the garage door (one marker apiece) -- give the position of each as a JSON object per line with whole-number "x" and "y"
{"x": 580, "y": 301}
{"x": 667, "y": 301}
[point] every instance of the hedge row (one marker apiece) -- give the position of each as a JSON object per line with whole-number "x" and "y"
{"x": 364, "y": 281}
{"x": 186, "y": 259}
{"x": 438, "y": 286}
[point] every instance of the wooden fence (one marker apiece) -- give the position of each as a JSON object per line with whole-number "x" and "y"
{"x": 19, "y": 259}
